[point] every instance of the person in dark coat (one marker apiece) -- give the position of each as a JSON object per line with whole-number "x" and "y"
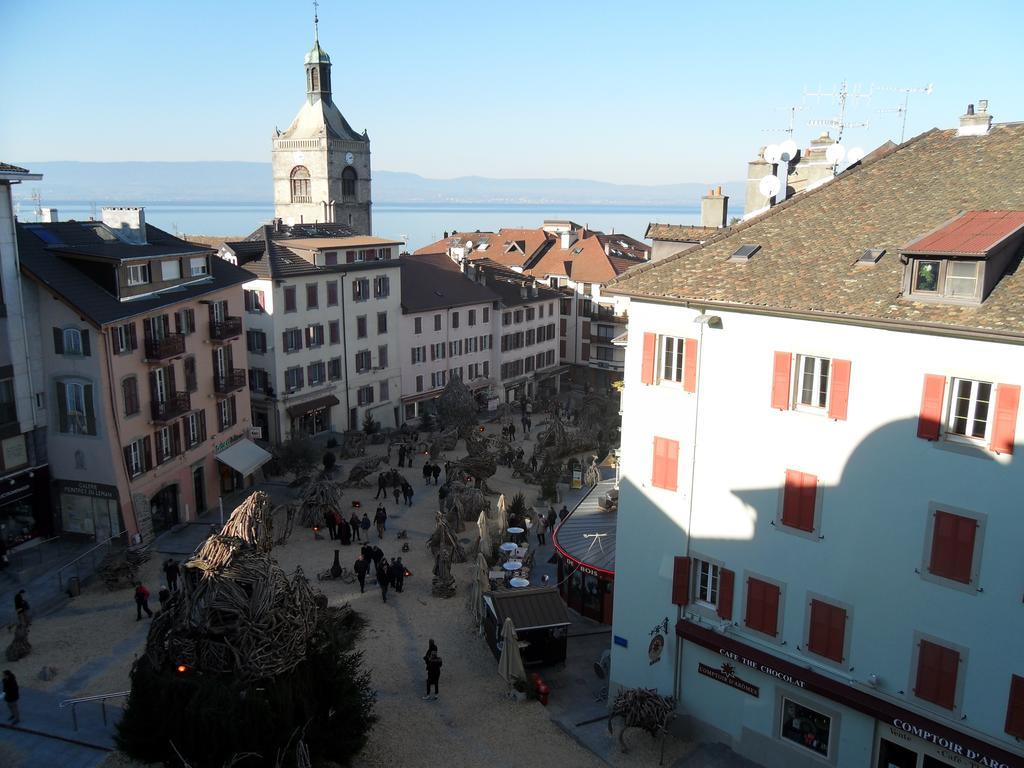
{"x": 11, "y": 696}
{"x": 382, "y": 486}
{"x": 426, "y": 473}
{"x": 511, "y": 431}
{"x": 447, "y": 471}
{"x": 407, "y": 492}
{"x": 396, "y": 492}
{"x": 21, "y": 608}
{"x": 401, "y": 455}
{"x": 362, "y": 565}
{"x": 533, "y": 463}
{"x": 141, "y": 601}
{"x": 171, "y": 571}
{"x": 435, "y": 472}
{"x": 164, "y": 595}
{"x": 377, "y": 554}
{"x": 344, "y": 532}
{"x": 332, "y": 525}
{"x": 365, "y": 525}
{"x": 383, "y": 579}
{"x": 353, "y": 523}
{"x": 380, "y": 519}
{"x": 398, "y": 575}
{"x": 552, "y": 518}
{"x": 432, "y": 659}
{"x": 563, "y": 512}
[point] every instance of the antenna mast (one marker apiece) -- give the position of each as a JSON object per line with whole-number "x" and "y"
{"x": 792, "y": 120}
{"x": 927, "y": 90}
{"x": 843, "y": 95}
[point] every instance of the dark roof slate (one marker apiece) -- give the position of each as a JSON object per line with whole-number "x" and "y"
{"x": 531, "y": 608}
{"x": 58, "y": 272}
{"x": 427, "y": 285}
{"x": 8, "y": 168}
{"x": 278, "y": 260}
{"x": 810, "y": 243}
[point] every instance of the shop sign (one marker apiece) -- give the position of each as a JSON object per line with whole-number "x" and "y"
{"x": 226, "y": 443}
{"x": 15, "y": 452}
{"x": 96, "y": 490}
{"x": 16, "y": 492}
{"x": 727, "y": 675}
{"x": 256, "y": 433}
{"x": 952, "y": 748}
{"x": 765, "y": 669}
{"x": 657, "y": 644}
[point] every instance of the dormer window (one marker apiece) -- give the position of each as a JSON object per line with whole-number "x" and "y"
{"x": 962, "y": 260}
{"x": 138, "y": 274}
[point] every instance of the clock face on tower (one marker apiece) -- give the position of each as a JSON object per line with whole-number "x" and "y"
{"x": 349, "y": 157}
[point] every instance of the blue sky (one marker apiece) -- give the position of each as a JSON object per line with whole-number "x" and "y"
{"x": 645, "y": 92}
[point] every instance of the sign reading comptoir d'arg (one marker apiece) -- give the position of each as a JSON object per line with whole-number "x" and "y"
{"x": 727, "y": 675}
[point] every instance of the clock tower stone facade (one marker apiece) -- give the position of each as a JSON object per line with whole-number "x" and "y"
{"x": 321, "y": 165}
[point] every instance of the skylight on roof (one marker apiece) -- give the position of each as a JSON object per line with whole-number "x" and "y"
{"x": 871, "y": 256}
{"x": 48, "y": 237}
{"x": 745, "y": 252}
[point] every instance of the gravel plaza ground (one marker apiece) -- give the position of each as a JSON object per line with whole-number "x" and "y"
{"x": 94, "y": 639}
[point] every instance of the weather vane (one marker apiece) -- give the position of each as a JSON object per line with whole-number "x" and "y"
{"x": 316, "y": 22}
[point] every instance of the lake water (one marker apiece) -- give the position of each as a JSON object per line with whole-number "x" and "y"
{"x": 416, "y": 224}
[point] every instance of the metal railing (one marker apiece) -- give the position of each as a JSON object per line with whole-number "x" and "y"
{"x": 100, "y": 697}
{"x": 169, "y": 346}
{"x": 176, "y": 404}
{"x": 231, "y": 381}
{"x": 228, "y": 328}
{"x": 90, "y": 553}
{"x": 20, "y": 560}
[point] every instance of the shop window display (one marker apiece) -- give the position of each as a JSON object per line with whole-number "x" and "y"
{"x": 803, "y": 726}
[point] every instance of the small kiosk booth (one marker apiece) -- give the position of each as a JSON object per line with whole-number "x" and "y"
{"x": 539, "y": 617}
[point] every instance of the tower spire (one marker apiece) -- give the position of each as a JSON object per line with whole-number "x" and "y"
{"x": 316, "y": 22}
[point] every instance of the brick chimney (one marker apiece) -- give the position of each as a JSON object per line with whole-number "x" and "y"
{"x": 128, "y": 223}
{"x": 975, "y": 122}
{"x": 714, "y": 208}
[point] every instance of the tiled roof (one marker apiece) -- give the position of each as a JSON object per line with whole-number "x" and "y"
{"x": 584, "y": 261}
{"x": 60, "y": 274}
{"x": 266, "y": 252}
{"x": 974, "y": 233}
{"x": 360, "y": 241}
{"x": 282, "y": 230}
{"x": 428, "y": 284}
{"x": 8, "y": 168}
{"x": 531, "y": 608}
{"x": 94, "y": 239}
{"x": 679, "y": 233}
{"x": 811, "y": 242}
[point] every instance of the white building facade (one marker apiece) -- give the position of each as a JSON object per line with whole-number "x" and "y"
{"x": 819, "y": 507}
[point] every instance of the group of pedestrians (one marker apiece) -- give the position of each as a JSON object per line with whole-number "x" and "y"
{"x": 354, "y": 529}
{"x": 387, "y": 575}
{"x": 400, "y": 487}
{"x": 431, "y": 472}
{"x": 406, "y": 453}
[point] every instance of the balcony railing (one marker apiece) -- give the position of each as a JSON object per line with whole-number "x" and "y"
{"x": 607, "y": 365}
{"x": 176, "y": 404}
{"x": 232, "y": 381}
{"x": 169, "y": 346}
{"x": 228, "y": 328}
{"x": 603, "y": 316}
{"x": 599, "y": 339}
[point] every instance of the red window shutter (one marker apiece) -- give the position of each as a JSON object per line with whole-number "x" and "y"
{"x": 827, "y": 630}
{"x": 840, "y": 396}
{"x": 952, "y": 552}
{"x": 937, "y": 669}
{"x": 929, "y": 422}
{"x": 762, "y": 612}
{"x": 690, "y": 365}
{"x": 726, "y": 587}
{"x": 798, "y": 500}
{"x": 665, "y": 472}
{"x": 1015, "y": 707}
{"x": 681, "y": 581}
{"x": 1004, "y": 425}
{"x": 650, "y": 351}
{"x": 780, "y": 380}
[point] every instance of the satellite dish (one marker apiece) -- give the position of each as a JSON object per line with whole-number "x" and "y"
{"x": 788, "y": 149}
{"x": 772, "y": 153}
{"x": 835, "y": 153}
{"x": 769, "y": 186}
{"x": 603, "y": 666}
{"x": 854, "y": 155}
{"x": 469, "y": 245}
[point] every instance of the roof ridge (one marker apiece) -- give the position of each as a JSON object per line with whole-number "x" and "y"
{"x": 774, "y": 210}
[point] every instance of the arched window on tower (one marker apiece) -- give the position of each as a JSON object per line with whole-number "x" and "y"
{"x": 300, "y": 185}
{"x": 348, "y": 184}
{"x": 314, "y": 79}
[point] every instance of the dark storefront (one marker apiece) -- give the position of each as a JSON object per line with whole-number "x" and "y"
{"x": 25, "y": 506}
{"x": 90, "y": 509}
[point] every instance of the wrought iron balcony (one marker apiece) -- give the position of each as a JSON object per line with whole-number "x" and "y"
{"x": 171, "y": 345}
{"x": 232, "y": 381}
{"x": 177, "y": 404}
{"x": 228, "y": 328}
{"x": 596, "y": 338}
{"x": 605, "y": 316}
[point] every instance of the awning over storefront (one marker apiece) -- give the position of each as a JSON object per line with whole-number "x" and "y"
{"x": 245, "y": 457}
{"x": 294, "y": 411}
{"x": 587, "y": 535}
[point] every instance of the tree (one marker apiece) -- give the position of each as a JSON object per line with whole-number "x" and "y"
{"x": 369, "y": 425}
{"x": 298, "y": 456}
{"x": 456, "y": 406}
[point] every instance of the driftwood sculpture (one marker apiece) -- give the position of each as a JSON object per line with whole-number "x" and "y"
{"x": 320, "y": 497}
{"x": 443, "y": 584}
{"x": 642, "y": 708}
{"x": 478, "y": 467}
{"x": 443, "y": 539}
{"x": 592, "y": 475}
{"x": 359, "y": 474}
{"x": 237, "y": 612}
{"x": 443, "y": 441}
{"x": 19, "y": 647}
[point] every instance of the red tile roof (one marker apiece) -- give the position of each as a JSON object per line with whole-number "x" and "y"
{"x": 974, "y": 233}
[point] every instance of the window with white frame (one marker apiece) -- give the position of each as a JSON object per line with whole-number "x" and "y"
{"x": 672, "y": 359}
{"x": 198, "y": 266}
{"x": 163, "y": 440}
{"x": 133, "y": 453}
{"x": 192, "y": 430}
{"x": 293, "y": 378}
{"x": 419, "y": 355}
{"x": 706, "y": 582}
{"x": 970, "y": 409}
{"x": 72, "y": 341}
{"x": 138, "y": 274}
{"x": 170, "y": 269}
{"x": 364, "y": 395}
{"x": 74, "y": 396}
{"x": 363, "y": 362}
{"x": 812, "y": 380}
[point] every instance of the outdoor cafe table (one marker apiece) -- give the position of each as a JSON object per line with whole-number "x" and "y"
{"x": 512, "y": 565}
{"x": 515, "y": 532}
{"x": 508, "y": 547}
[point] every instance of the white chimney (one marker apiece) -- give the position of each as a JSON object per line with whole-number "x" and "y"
{"x": 128, "y": 223}
{"x": 48, "y": 215}
{"x": 522, "y": 291}
{"x": 568, "y": 238}
{"x": 534, "y": 292}
{"x": 975, "y": 123}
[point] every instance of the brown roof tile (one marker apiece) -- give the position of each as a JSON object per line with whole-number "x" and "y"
{"x": 679, "y": 233}
{"x": 810, "y": 243}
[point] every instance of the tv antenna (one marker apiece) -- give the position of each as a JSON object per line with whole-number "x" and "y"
{"x": 843, "y": 95}
{"x": 792, "y": 120}
{"x": 37, "y": 204}
{"x": 927, "y": 90}
{"x": 595, "y": 538}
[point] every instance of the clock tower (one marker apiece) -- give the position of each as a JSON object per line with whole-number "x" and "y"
{"x": 321, "y": 165}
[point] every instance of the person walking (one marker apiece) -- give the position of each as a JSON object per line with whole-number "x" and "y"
{"x": 141, "y": 601}
{"x": 407, "y": 492}
{"x": 552, "y": 518}
{"x": 382, "y": 486}
{"x": 361, "y": 567}
{"x": 332, "y": 524}
{"x": 381, "y": 517}
{"x": 383, "y": 579}
{"x": 432, "y": 659}
{"x": 21, "y": 608}
{"x": 511, "y": 431}
{"x": 172, "y": 570}
{"x": 542, "y": 524}
{"x": 11, "y": 696}
{"x": 533, "y": 463}
{"x": 398, "y": 575}
{"x": 426, "y": 473}
{"x": 164, "y": 595}
{"x": 401, "y": 455}
{"x": 353, "y": 523}
{"x": 377, "y": 555}
{"x": 396, "y": 492}
{"x": 344, "y": 532}
{"x": 563, "y": 512}
{"x": 365, "y": 525}
{"x": 435, "y": 472}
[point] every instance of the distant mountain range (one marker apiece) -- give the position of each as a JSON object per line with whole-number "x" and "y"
{"x": 238, "y": 182}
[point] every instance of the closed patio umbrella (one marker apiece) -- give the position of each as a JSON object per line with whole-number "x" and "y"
{"x": 510, "y": 665}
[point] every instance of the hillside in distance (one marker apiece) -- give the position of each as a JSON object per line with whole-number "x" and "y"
{"x": 240, "y": 182}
